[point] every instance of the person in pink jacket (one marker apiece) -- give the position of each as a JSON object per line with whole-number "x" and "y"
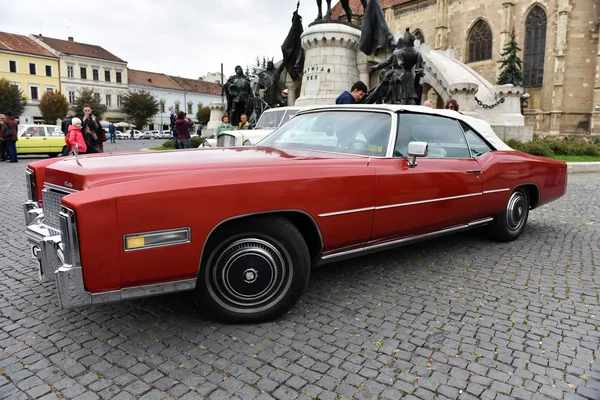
{"x": 74, "y": 136}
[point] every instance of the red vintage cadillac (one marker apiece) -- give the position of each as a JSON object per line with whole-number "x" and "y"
{"x": 334, "y": 182}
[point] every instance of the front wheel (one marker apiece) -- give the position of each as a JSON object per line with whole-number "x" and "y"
{"x": 255, "y": 270}
{"x": 510, "y": 223}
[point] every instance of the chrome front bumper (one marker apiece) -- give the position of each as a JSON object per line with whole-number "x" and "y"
{"x": 57, "y": 257}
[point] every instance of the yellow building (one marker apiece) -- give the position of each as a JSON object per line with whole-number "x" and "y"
{"x": 32, "y": 68}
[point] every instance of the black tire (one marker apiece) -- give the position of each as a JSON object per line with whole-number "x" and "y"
{"x": 253, "y": 270}
{"x": 510, "y": 223}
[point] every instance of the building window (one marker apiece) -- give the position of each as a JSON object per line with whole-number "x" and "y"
{"x": 32, "y": 68}
{"x": 70, "y": 73}
{"x": 162, "y": 106}
{"x": 48, "y": 70}
{"x": 71, "y": 97}
{"x": 107, "y": 76}
{"x": 480, "y": 42}
{"x": 34, "y": 93}
{"x": 189, "y": 110}
{"x": 535, "y": 47}
{"x": 176, "y": 108}
{"x": 97, "y": 97}
{"x": 119, "y": 98}
{"x": 109, "y": 100}
{"x": 419, "y": 36}
{"x": 12, "y": 66}
{"x": 119, "y": 77}
{"x": 83, "y": 72}
{"x": 50, "y": 89}
{"x": 95, "y": 75}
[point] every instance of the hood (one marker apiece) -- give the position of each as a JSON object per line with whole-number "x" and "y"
{"x": 74, "y": 128}
{"x": 86, "y": 172}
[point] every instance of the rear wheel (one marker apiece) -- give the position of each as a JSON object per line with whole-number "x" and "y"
{"x": 255, "y": 270}
{"x": 510, "y": 223}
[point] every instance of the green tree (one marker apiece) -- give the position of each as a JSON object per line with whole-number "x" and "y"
{"x": 203, "y": 115}
{"x": 512, "y": 69}
{"x": 140, "y": 107}
{"x": 87, "y": 96}
{"x": 53, "y": 106}
{"x": 11, "y": 99}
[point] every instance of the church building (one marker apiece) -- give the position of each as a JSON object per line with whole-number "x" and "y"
{"x": 559, "y": 45}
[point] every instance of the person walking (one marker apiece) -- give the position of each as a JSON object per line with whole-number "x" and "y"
{"x": 113, "y": 133}
{"x": 182, "y": 126}
{"x": 8, "y": 134}
{"x": 3, "y": 148}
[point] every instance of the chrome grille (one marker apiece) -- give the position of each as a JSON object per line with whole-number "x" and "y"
{"x": 225, "y": 140}
{"x": 51, "y": 206}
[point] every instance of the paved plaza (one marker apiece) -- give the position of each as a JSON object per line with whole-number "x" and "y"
{"x": 459, "y": 317}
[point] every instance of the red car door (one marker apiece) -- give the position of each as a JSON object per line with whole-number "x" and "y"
{"x": 441, "y": 191}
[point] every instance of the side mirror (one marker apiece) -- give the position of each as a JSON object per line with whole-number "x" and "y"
{"x": 417, "y": 149}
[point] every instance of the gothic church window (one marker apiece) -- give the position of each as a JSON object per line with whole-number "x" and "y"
{"x": 535, "y": 47}
{"x": 480, "y": 42}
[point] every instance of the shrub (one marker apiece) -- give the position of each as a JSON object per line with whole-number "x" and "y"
{"x": 537, "y": 149}
{"x": 169, "y": 144}
{"x": 580, "y": 149}
{"x": 596, "y": 139}
{"x": 559, "y": 147}
{"x": 514, "y": 144}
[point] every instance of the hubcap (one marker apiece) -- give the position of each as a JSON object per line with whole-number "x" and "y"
{"x": 249, "y": 272}
{"x": 516, "y": 211}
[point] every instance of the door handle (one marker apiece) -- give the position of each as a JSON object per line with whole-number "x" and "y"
{"x": 474, "y": 171}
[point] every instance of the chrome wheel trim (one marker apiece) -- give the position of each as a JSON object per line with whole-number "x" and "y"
{"x": 239, "y": 260}
{"x": 516, "y": 211}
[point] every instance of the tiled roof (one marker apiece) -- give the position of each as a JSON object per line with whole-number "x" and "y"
{"x": 22, "y": 44}
{"x": 79, "y": 49}
{"x": 195, "y": 85}
{"x": 357, "y": 8}
{"x": 154, "y": 79}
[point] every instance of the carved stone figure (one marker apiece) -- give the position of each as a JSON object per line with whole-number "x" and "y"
{"x": 269, "y": 80}
{"x": 400, "y": 79}
{"x": 238, "y": 91}
{"x": 345, "y": 6}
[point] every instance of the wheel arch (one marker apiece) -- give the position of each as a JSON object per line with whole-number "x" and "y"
{"x": 533, "y": 193}
{"x": 303, "y": 221}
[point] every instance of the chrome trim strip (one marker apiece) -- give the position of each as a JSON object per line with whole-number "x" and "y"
{"x": 30, "y": 181}
{"x": 31, "y": 210}
{"x": 137, "y": 292}
{"x": 59, "y": 188}
{"x": 496, "y": 191}
{"x": 331, "y": 214}
{"x": 428, "y": 201}
{"x": 407, "y": 240}
{"x": 186, "y": 231}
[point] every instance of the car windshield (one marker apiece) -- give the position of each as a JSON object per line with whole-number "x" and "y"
{"x": 352, "y": 132}
{"x": 270, "y": 119}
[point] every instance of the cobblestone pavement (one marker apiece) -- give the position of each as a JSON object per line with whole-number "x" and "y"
{"x": 456, "y": 318}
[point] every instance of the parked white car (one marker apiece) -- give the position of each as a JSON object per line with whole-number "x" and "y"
{"x": 137, "y": 135}
{"x": 268, "y": 122}
{"x": 121, "y": 135}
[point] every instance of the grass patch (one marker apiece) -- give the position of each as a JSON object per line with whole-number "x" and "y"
{"x": 161, "y": 148}
{"x": 577, "y": 158}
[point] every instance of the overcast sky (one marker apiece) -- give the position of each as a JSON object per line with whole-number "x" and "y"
{"x": 186, "y": 38}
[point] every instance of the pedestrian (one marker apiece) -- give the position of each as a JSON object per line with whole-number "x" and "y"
{"x": 64, "y": 126}
{"x": 225, "y": 125}
{"x": 113, "y": 133}
{"x": 174, "y": 134}
{"x": 428, "y": 104}
{"x": 75, "y": 137}
{"x": 3, "y": 148}
{"x": 199, "y": 131}
{"x": 182, "y": 126}
{"x": 131, "y": 134}
{"x": 244, "y": 125}
{"x": 355, "y": 94}
{"x": 91, "y": 130}
{"x": 8, "y": 134}
{"x": 451, "y": 105}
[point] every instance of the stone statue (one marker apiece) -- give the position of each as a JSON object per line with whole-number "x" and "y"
{"x": 238, "y": 91}
{"x": 399, "y": 78}
{"x": 269, "y": 80}
{"x": 345, "y": 5}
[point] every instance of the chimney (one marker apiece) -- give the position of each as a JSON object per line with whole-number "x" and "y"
{"x": 70, "y": 38}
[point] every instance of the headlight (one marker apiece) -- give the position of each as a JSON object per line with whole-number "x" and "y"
{"x": 248, "y": 142}
{"x": 31, "y": 186}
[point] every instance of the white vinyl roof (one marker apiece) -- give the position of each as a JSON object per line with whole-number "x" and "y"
{"x": 479, "y": 125}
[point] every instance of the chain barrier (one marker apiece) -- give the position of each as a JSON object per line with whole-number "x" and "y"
{"x": 488, "y": 107}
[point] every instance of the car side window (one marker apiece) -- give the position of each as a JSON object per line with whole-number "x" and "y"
{"x": 478, "y": 146}
{"x": 52, "y": 131}
{"x": 443, "y": 135}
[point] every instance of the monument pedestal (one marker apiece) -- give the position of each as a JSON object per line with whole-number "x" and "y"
{"x": 217, "y": 110}
{"x": 330, "y": 66}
